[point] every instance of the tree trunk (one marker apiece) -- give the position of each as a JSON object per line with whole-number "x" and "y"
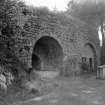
{"x": 103, "y": 43}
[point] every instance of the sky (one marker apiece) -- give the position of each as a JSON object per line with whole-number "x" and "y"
{"x": 60, "y": 5}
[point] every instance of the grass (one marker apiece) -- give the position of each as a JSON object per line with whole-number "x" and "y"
{"x": 16, "y": 94}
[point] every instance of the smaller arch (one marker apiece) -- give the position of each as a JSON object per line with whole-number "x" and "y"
{"x": 36, "y": 62}
{"x": 90, "y": 48}
{"x": 91, "y": 45}
{"x": 89, "y": 57}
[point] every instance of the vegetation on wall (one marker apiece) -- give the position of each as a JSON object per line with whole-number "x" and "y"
{"x": 9, "y": 28}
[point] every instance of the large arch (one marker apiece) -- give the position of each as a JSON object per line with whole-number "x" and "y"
{"x": 89, "y": 56}
{"x": 47, "y": 53}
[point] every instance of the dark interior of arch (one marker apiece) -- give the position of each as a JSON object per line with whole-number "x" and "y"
{"x": 36, "y": 62}
{"x": 47, "y": 53}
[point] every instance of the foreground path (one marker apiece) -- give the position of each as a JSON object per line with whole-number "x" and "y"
{"x": 73, "y": 91}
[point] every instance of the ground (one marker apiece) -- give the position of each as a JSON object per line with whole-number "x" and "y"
{"x": 85, "y": 90}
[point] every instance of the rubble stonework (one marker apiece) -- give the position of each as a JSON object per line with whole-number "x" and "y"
{"x": 71, "y": 34}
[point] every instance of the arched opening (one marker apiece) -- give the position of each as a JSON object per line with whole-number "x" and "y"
{"x": 47, "y": 54}
{"x": 36, "y": 62}
{"x": 89, "y": 59}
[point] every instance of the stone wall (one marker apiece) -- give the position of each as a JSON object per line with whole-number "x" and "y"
{"x": 71, "y": 34}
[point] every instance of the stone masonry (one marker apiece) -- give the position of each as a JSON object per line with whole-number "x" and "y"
{"x": 69, "y": 37}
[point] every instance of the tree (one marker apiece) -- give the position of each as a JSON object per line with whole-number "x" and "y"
{"x": 92, "y": 12}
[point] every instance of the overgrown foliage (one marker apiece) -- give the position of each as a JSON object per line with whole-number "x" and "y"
{"x": 9, "y": 11}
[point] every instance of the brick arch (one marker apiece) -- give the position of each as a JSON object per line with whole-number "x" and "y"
{"x": 49, "y": 51}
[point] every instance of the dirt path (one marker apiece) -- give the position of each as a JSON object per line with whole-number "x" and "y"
{"x": 73, "y": 91}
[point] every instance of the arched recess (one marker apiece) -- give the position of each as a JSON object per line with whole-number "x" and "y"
{"x": 47, "y": 52}
{"x": 36, "y": 62}
{"x": 89, "y": 56}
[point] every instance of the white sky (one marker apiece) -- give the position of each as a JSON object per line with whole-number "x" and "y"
{"x": 51, "y": 4}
